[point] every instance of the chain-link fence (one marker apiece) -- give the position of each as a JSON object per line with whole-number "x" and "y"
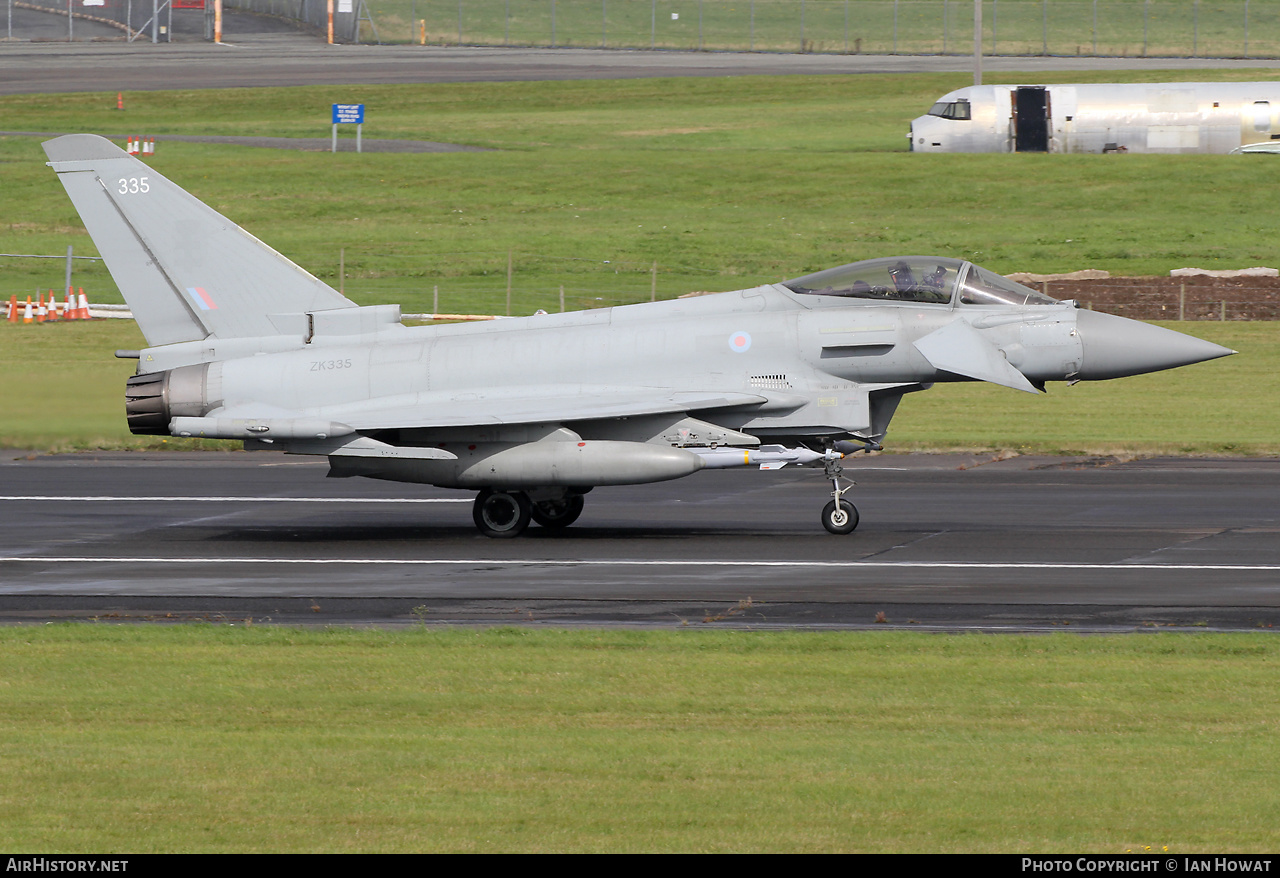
{"x": 1171, "y": 28}
{"x": 1140, "y": 28}
{"x": 351, "y": 20}
{"x": 150, "y": 20}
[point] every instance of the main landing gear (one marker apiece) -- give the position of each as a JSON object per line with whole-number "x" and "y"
{"x": 839, "y": 516}
{"x": 502, "y": 514}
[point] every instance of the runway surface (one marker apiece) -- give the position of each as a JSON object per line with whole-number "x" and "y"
{"x": 286, "y": 59}
{"x": 949, "y": 542}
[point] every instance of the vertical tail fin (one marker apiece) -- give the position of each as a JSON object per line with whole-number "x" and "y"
{"x": 186, "y": 271}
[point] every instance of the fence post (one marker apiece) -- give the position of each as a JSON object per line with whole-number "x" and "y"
{"x": 435, "y": 300}
{"x": 995, "y": 27}
{"x": 1195, "y": 26}
{"x": 1246, "y": 37}
{"x": 506, "y": 26}
{"x": 895, "y": 27}
{"x": 1224, "y": 310}
{"x": 977, "y": 42}
{"x": 553, "y": 41}
{"x": 944, "y": 26}
{"x": 801, "y": 27}
{"x": 653, "y": 26}
{"x": 753, "y": 24}
{"x": 1044, "y": 27}
{"x": 846, "y": 25}
{"x": 1146, "y": 15}
{"x": 653, "y": 282}
{"x": 561, "y": 298}
{"x": 1182, "y": 301}
{"x": 699, "y": 25}
{"x": 604, "y": 23}
{"x": 1095, "y": 28}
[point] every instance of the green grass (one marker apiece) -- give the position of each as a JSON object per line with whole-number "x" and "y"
{"x": 143, "y": 739}
{"x": 1013, "y": 27}
{"x": 724, "y": 183}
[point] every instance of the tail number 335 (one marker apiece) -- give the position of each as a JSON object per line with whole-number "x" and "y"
{"x": 133, "y": 185}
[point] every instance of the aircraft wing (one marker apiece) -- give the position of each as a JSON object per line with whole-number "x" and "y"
{"x": 525, "y": 405}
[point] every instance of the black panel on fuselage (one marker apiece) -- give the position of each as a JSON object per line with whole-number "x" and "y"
{"x": 1031, "y": 112}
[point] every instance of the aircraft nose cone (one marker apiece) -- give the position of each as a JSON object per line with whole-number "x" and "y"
{"x": 1114, "y": 347}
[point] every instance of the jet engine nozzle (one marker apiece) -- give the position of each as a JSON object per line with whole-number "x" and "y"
{"x": 154, "y": 399}
{"x": 1114, "y": 347}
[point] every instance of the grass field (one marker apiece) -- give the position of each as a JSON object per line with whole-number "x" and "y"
{"x": 1222, "y": 28}
{"x": 723, "y": 183}
{"x": 146, "y": 739}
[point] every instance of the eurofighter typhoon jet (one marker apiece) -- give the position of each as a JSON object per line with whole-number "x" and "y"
{"x": 534, "y": 412}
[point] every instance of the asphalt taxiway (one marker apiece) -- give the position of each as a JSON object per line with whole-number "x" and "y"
{"x": 288, "y": 59}
{"x": 949, "y": 542}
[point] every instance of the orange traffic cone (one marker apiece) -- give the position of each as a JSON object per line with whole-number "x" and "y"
{"x": 53, "y": 307}
{"x": 26, "y": 315}
{"x": 119, "y": 100}
{"x": 84, "y": 306}
{"x": 69, "y": 308}
{"x": 13, "y": 309}
{"x": 41, "y": 312}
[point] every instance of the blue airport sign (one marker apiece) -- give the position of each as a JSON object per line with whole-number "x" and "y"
{"x": 348, "y": 114}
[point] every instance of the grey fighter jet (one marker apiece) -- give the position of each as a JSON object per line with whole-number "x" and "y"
{"x": 535, "y": 412}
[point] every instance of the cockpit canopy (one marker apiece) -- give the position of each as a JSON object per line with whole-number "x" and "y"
{"x": 933, "y": 279}
{"x": 951, "y": 110}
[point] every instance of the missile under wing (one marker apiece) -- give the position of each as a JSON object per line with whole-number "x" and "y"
{"x": 534, "y": 412}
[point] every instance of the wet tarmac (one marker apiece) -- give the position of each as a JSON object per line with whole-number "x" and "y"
{"x": 946, "y": 543}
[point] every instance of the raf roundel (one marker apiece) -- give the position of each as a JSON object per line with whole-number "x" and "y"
{"x": 740, "y": 342}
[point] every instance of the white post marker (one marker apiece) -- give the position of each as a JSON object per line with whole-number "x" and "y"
{"x": 347, "y": 114}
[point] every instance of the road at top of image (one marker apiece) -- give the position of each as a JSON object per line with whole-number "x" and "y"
{"x": 296, "y": 58}
{"x": 947, "y": 542}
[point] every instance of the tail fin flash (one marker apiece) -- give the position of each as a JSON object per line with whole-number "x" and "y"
{"x": 186, "y": 271}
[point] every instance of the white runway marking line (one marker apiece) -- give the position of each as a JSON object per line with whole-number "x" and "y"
{"x": 490, "y": 562}
{"x": 35, "y": 498}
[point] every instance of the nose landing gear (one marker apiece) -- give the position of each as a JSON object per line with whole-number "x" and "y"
{"x": 839, "y": 516}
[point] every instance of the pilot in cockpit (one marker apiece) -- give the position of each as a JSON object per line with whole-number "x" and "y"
{"x": 937, "y": 278}
{"x": 903, "y": 280}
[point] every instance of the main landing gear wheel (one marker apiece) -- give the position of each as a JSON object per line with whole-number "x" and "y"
{"x": 558, "y": 513}
{"x": 840, "y": 519}
{"x": 499, "y": 514}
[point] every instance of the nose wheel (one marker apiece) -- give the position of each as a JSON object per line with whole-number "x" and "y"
{"x": 839, "y": 516}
